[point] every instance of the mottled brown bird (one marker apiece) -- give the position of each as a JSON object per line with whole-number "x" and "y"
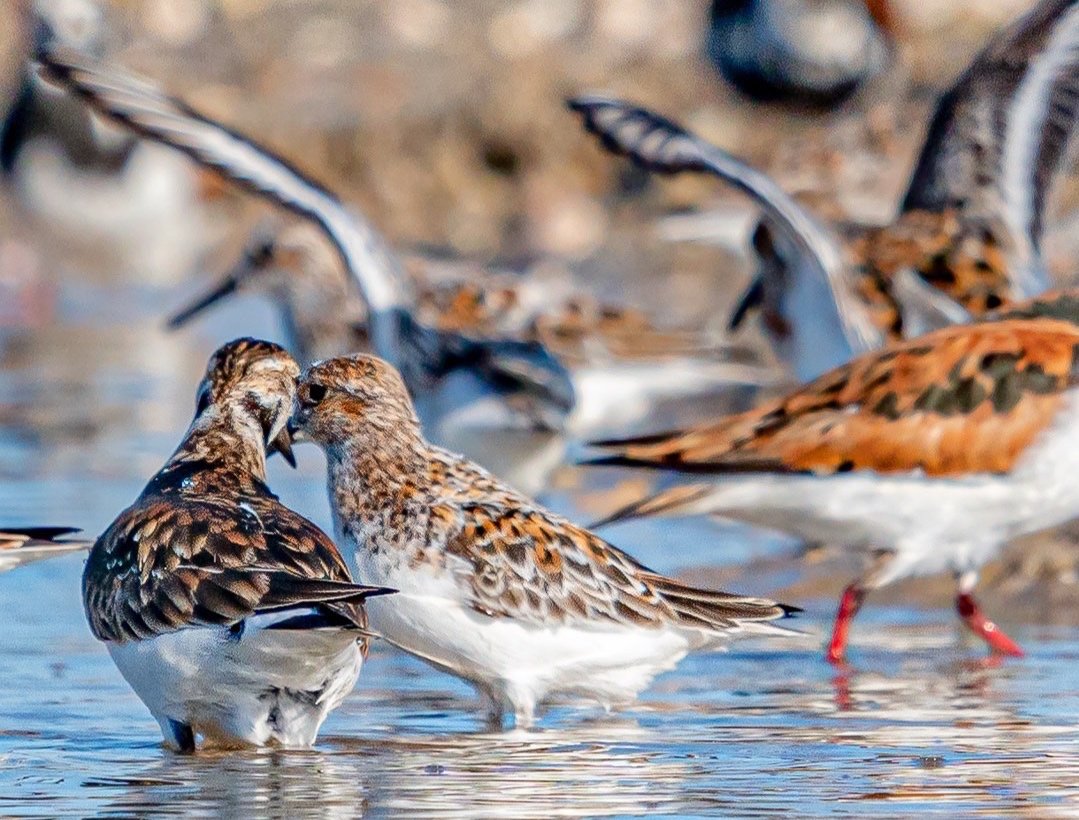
{"x": 493, "y": 587}
{"x": 234, "y": 618}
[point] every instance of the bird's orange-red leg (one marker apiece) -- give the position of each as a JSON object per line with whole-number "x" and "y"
{"x": 849, "y": 604}
{"x": 975, "y": 619}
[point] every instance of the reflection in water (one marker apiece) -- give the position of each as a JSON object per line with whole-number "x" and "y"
{"x": 544, "y": 775}
{"x": 747, "y": 732}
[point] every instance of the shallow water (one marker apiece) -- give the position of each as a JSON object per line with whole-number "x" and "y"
{"x": 920, "y": 724}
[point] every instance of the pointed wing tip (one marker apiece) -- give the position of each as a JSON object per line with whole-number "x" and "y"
{"x": 637, "y": 133}
{"x": 375, "y": 592}
{"x": 42, "y": 533}
{"x": 607, "y": 461}
{"x": 789, "y": 610}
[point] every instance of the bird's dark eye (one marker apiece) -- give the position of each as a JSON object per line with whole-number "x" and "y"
{"x": 262, "y": 253}
{"x": 316, "y": 393}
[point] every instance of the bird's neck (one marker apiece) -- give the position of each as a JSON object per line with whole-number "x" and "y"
{"x": 373, "y": 470}
{"x": 227, "y": 438}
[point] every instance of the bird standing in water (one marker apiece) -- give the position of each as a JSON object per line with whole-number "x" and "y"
{"x": 492, "y": 587}
{"x": 233, "y": 618}
{"x": 925, "y": 457}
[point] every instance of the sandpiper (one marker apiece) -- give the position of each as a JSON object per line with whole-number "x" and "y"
{"x": 621, "y": 364}
{"x": 233, "y": 618}
{"x": 492, "y": 587}
{"x": 968, "y": 235}
{"x": 928, "y": 456}
{"x": 20, "y": 546}
{"x": 523, "y": 372}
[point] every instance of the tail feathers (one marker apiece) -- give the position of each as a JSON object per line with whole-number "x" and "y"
{"x": 27, "y": 544}
{"x": 678, "y": 500}
{"x": 35, "y": 533}
{"x": 288, "y": 591}
{"x": 720, "y": 612}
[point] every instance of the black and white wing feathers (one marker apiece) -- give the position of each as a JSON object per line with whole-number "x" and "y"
{"x": 999, "y": 134}
{"x": 660, "y": 145}
{"x": 144, "y": 108}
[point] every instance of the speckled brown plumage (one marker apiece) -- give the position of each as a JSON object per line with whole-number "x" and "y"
{"x": 529, "y": 565}
{"x": 406, "y": 500}
{"x": 207, "y": 543}
{"x": 968, "y": 261}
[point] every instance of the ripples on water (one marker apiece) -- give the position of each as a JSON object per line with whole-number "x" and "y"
{"x": 762, "y": 730}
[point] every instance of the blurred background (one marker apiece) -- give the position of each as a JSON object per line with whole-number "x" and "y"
{"x": 444, "y": 122}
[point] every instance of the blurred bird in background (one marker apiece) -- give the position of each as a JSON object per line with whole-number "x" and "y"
{"x": 967, "y": 237}
{"x": 481, "y": 353}
{"x": 88, "y": 185}
{"x": 813, "y": 53}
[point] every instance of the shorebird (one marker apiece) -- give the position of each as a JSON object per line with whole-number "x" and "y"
{"x": 233, "y": 618}
{"x": 928, "y": 455}
{"x": 485, "y": 353}
{"x": 492, "y": 587}
{"x": 20, "y": 546}
{"x": 813, "y": 53}
{"x": 968, "y": 235}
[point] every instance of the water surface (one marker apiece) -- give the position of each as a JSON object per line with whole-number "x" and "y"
{"x": 90, "y": 408}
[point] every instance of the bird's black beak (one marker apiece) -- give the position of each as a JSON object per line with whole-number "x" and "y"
{"x": 283, "y": 444}
{"x": 256, "y": 258}
{"x": 224, "y": 288}
{"x": 753, "y": 297}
